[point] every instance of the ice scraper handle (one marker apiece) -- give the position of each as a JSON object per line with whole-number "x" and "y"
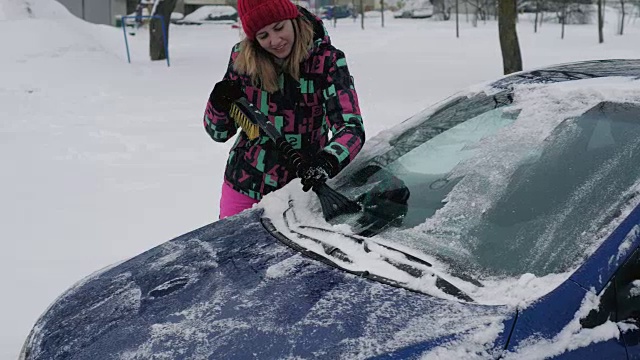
{"x": 293, "y": 157}
{"x": 332, "y": 202}
{"x": 260, "y": 120}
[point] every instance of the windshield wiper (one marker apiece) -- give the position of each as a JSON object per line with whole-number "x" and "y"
{"x": 334, "y": 252}
{"x": 441, "y": 283}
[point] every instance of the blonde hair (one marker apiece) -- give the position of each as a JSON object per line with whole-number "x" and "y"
{"x": 258, "y": 64}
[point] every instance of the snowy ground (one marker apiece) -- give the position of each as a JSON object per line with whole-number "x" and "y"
{"x": 105, "y": 159}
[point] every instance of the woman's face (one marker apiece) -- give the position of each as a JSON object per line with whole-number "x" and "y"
{"x": 277, "y": 38}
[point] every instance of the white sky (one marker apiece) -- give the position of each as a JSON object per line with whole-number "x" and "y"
{"x": 103, "y": 159}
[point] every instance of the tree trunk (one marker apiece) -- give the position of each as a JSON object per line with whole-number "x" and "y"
{"x": 457, "y": 21}
{"x": 600, "y": 22}
{"x": 353, "y": 7}
{"x": 382, "y": 11}
{"x": 511, "y": 58}
{"x": 362, "y": 14}
{"x": 156, "y": 33}
{"x": 466, "y": 10}
{"x": 623, "y": 15}
{"x": 535, "y": 22}
{"x": 564, "y": 19}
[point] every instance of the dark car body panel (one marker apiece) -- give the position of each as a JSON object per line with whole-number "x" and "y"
{"x": 214, "y": 293}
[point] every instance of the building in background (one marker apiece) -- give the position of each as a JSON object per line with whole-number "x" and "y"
{"x": 108, "y": 11}
{"x": 97, "y": 11}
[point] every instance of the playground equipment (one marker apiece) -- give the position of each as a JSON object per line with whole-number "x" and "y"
{"x": 138, "y": 17}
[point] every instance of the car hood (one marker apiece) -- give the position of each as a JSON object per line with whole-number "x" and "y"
{"x": 231, "y": 290}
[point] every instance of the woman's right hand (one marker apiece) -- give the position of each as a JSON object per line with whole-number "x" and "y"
{"x": 224, "y": 93}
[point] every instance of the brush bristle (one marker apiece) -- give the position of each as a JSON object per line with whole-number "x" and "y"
{"x": 252, "y": 130}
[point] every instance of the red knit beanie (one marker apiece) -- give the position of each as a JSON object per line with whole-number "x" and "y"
{"x": 256, "y": 14}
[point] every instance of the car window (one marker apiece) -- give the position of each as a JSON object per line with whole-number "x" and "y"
{"x": 423, "y": 194}
{"x": 620, "y": 299}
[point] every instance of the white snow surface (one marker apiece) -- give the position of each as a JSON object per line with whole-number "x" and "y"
{"x": 104, "y": 159}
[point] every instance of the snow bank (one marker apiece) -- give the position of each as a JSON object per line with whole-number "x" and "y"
{"x": 40, "y": 9}
{"x": 45, "y": 28}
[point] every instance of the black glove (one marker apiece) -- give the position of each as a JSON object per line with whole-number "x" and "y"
{"x": 224, "y": 93}
{"x": 317, "y": 172}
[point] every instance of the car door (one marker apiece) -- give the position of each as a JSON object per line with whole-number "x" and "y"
{"x": 620, "y": 303}
{"x": 627, "y": 286}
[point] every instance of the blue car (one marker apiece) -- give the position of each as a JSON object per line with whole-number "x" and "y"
{"x": 501, "y": 223}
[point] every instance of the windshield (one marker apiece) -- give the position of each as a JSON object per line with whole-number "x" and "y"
{"x": 460, "y": 186}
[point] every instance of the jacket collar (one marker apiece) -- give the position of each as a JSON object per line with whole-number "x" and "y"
{"x": 321, "y": 37}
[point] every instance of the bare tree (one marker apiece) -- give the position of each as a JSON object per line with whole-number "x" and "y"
{"x": 511, "y": 58}
{"x": 535, "y": 22}
{"x": 600, "y": 22}
{"x": 362, "y": 14}
{"x": 442, "y": 9}
{"x": 353, "y": 9}
{"x": 563, "y": 17}
{"x": 622, "y": 13}
{"x": 157, "y": 45}
{"x": 457, "y": 21}
{"x": 478, "y": 12}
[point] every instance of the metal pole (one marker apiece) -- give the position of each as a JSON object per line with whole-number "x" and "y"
{"x": 126, "y": 42}
{"x": 164, "y": 35}
{"x": 164, "y": 38}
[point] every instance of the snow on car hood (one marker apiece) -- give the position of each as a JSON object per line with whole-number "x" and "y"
{"x": 231, "y": 290}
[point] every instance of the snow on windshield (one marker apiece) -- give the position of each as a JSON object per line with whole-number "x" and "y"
{"x": 541, "y": 109}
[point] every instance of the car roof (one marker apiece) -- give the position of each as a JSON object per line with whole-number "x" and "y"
{"x": 573, "y": 71}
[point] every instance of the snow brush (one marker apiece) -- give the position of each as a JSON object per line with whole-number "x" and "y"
{"x": 251, "y": 120}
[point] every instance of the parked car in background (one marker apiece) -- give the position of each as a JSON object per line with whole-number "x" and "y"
{"x": 211, "y": 14}
{"x": 421, "y": 13}
{"x": 402, "y": 14}
{"x": 331, "y": 12}
{"x": 176, "y": 17}
{"x": 503, "y": 222}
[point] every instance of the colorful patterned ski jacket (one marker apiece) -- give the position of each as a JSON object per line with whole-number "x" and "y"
{"x": 304, "y": 111}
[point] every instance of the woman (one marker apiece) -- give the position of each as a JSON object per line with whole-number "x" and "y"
{"x": 287, "y": 67}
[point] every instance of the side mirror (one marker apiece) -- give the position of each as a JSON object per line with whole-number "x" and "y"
{"x": 628, "y": 298}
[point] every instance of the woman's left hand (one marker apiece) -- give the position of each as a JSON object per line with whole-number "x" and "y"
{"x": 224, "y": 93}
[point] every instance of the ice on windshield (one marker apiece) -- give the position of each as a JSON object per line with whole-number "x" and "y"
{"x": 499, "y": 190}
{"x": 442, "y": 153}
{"x": 504, "y": 186}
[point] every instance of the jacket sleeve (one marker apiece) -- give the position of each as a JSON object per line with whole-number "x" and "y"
{"x": 218, "y": 124}
{"x": 343, "y": 114}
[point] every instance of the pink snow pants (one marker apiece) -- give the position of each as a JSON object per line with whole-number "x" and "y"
{"x": 233, "y": 202}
